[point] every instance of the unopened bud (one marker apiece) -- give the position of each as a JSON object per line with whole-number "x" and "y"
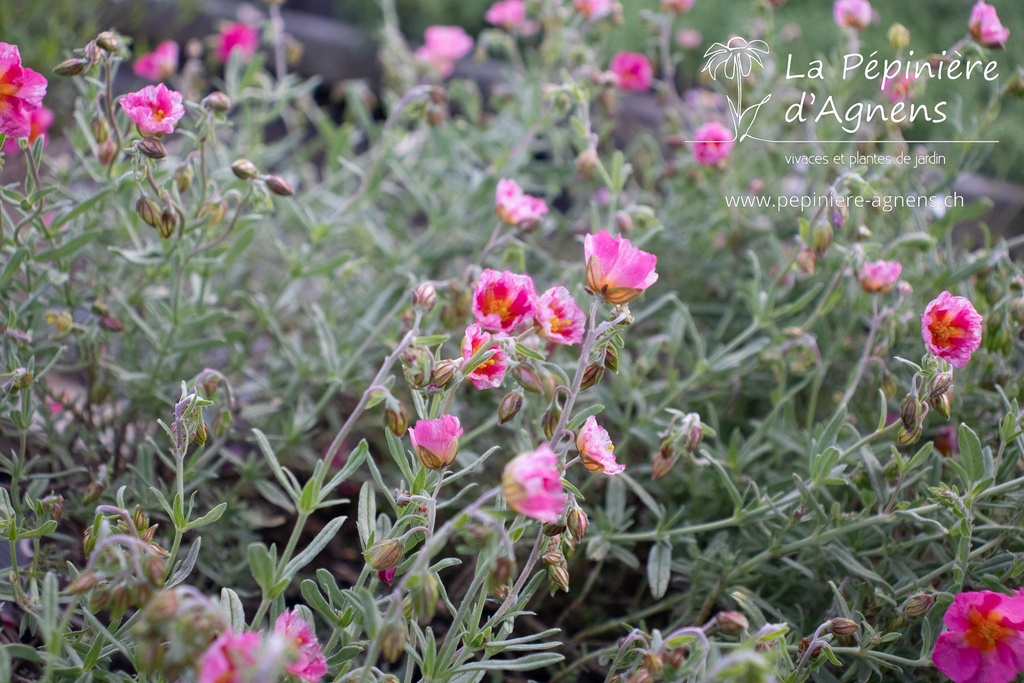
{"x": 384, "y": 554}
{"x": 83, "y": 583}
{"x": 577, "y": 522}
{"x": 841, "y": 626}
{"x": 71, "y": 67}
{"x": 661, "y": 465}
{"x": 549, "y": 421}
{"x": 908, "y": 437}
{"x": 837, "y": 216}
{"x": 821, "y": 237}
{"x": 653, "y": 663}
{"x": 106, "y": 152}
{"x": 168, "y": 223}
{"x": 424, "y": 297}
{"x": 592, "y": 374}
{"x": 502, "y": 572}
{"x": 212, "y": 211}
{"x": 217, "y": 102}
{"x": 611, "y": 358}
{"x": 279, "y": 186}
{"x": 111, "y": 324}
{"x": 732, "y": 622}
{"x": 244, "y": 169}
{"x": 183, "y": 178}
{"x": 586, "y": 162}
{"x": 511, "y": 404}
{"x": 910, "y": 412}
{"x": 553, "y": 530}
{"x": 807, "y": 260}
{"x": 558, "y": 577}
{"x": 425, "y": 597}
{"x": 942, "y": 404}
{"x": 22, "y": 378}
{"x": 675, "y": 657}
{"x": 100, "y": 129}
{"x": 939, "y": 384}
{"x": 92, "y": 493}
{"x": 889, "y": 385}
{"x": 396, "y": 419}
{"x": 152, "y": 148}
{"x": 899, "y": 36}
{"x": 149, "y": 211}
{"x": 107, "y": 40}
{"x": 393, "y": 635}
{"x": 918, "y": 605}
{"x": 444, "y": 372}
{"x": 623, "y": 221}
{"x": 417, "y": 366}
{"x": 528, "y": 378}
{"x": 694, "y": 438}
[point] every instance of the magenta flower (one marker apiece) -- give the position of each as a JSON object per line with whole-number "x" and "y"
{"x": 677, "y": 6}
{"x": 21, "y": 92}
{"x": 154, "y": 109}
{"x": 236, "y": 36}
{"x": 616, "y": 269}
{"x": 879, "y": 277}
{"x": 515, "y": 207}
{"x": 443, "y": 46}
{"x": 983, "y": 643}
{"x": 309, "y": 663}
{"x": 558, "y": 318}
{"x": 39, "y": 121}
{"x": 593, "y": 9}
{"x": 508, "y": 14}
{"x": 230, "y": 658}
{"x": 633, "y": 69}
{"x": 491, "y": 372}
{"x": 596, "y": 448}
{"x": 532, "y": 485}
{"x": 712, "y": 144}
{"x": 386, "y": 576}
{"x": 852, "y": 13}
{"x": 160, "y": 64}
{"x": 501, "y": 301}
{"x": 951, "y": 329}
{"x": 985, "y": 26}
{"x": 436, "y": 442}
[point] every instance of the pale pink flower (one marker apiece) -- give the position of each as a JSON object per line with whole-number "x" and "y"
{"x": 689, "y": 38}
{"x": 160, "y": 64}
{"x": 984, "y": 642}
{"x": 616, "y": 269}
{"x": 677, "y": 6}
{"x": 558, "y": 318}
{"x": 593, "y": 9}
{"x": 508, "y": 14}
{"x": 985, "y": 26}
{"x": 39, "y": 121}
{"x": 899, "y": 88}
{"x": 491, "y": 372}
{"x": 853, "y": 13}
{"x": 21, "y": 92}
{"x": 515, "y": 207}
{"x": 443, "y": 46}
{"x": 230, "y": 658}
{"x": 309, "y": 663}
{"x": 502, "y": 301}
{"x": 532, "y": 485}
{"x": 154, "y": 109}
{"x": 236, "y": 36}
{"x": 436, "y": 442}
{"x": 879, "y": 277}
{"x": 596, "y": 448}
{"x": 712, "y": 144}
{"x": 633, "y": 69}
{"x": 951, "y": 329}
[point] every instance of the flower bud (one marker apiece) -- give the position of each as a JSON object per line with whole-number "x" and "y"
{"x": 694, "y": 438}
{"x": 889, "y": 385}
{"x": 503, "y": 569}
{"x": 106, "y": 152}
{"x": 92, "y": 493}
{"x": 424, "y": 297}
{"x": 244, "y": 169}
{"x": 653, "y": 663}
{"x": 279, "y": 186}
{"x": 586, "y": 162}
{"x": 107, "y": 40}
{"x": 217, "y": 102}
{"x": 842, "y": 626}
{"x": 577, "y": 522}
{"x": 549, "y": 421}
{"x": 417, "y": 366}
{"x": 152, "y": 148}
{"x": 837, "y": 216}
{"x": 83, "y": 583}
{"x": 393, "y": 635}
{"x": 100, "y": 129}
{"x": 396, "y": 419}
{"x": 661, "y": 465}
{"x": 732, "y": 622}
{"x": 444, "y": 372}
{"x": 907, "y": 437}
{"x": 942, "y": 404}
{"x": 899, "y": 36}
{"x": 918, "y": 604}
{"x": 675, "y": 657}
{"x": 806, "y": 260}
{"x": 553, "y": 530}
{"x": 611, "y": 358}
{"x": 149, "y": 211}
{"x": 528, "y": 378}
{"x": 425, "y": 597}
{"x": 71, "y": 67}
{"x": 910, "y": 412}
{"x": 384, "y": 554}
{"x": 623, "y": 221}
{"x": 183, "y": 178}
{"x": 212, "y": 211}
{"x": 558, "y": 577}
{"x": 821, "y": 238}
{"x": 111, "y": 324}
{"x": 592, "y": 374}
{"x": 939, "y": 384}
{"x": 168, "y": 223}
{"x": 511, "y": 404}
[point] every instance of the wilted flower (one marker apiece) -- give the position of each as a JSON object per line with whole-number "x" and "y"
{"x": 436, "y": 442}
{"x": 154, "y": 109}
{"x": 502, "y": 301}
{"x": 593, "y": 9}
{"x": 236, "y": 36}
{"x": 21, "y": 92}
{"x": 558, "y": 318}
{"x": 712, "y": 143}
{"x": 514, "y": 206}
{"x": 852, "y": 13}
{"x": 951, "y": 329}
{"x": 616, "y": 269}
{"x": 983, "y": 643}
{"x": 633, "y": 69}
{"x": 532, "y": 485}
{"x": 985, "y": 26}
{"x": 160, "y": 64}
{"x": 39, "y": 121}
{"x": 230, "y": 658}
{"x": 879, "y": 277}
{"x": 508, "y": 14}
{"x": 491, "y": 372}
{"x": 309, "y": 663}
{"x": 443, "y": 46}
{"x": 596, "y": 448}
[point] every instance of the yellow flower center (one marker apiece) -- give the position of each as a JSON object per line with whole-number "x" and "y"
{"x": 986, "y": 630}
{"x": 159, "y": 114}
{"x": 944, "y": 332}
{"x": 559, "y": 325}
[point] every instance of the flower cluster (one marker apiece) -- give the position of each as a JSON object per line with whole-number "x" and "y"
{"x": 291, "y": 648}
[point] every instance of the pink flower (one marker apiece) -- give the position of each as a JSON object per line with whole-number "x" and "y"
{"x": 515, "y": 207}
{"x": 236, "y": 36}
{"x": 532, "y": 485}
{"x": 160, "y": 64}
{"x": 677, "y": 6}
{"x": 879, "y": 277}
{"x": 852, "y": 13}
{"x": 508, "y": 14}
{"x": 443, "y": 46}
{"x": 985, "y": 26}
{"x": 689, "y": 38}
{"x": 558, "y": 318}
{"x": 593, "y": 9}
{"x": 21, "y": 92}
{"x": 501, "y": 301}
{"x": 491, "y": 372}
{"x": 39, "y": 121}
{"x": 712, "y": 143}
{"x": 436, "y": 442}
{"x": 633, "y": 69}
{"x": 386, "y": 576}
{"x": 898, "y": 89}
{"x": 951, "y": 329}
{"x": 984, "y": 642}
{"x": 230, "y": 658}
{"x": 154, "y": 109}
{"x": 309, "y": 663}
{"x": 596, "y": 448}
{"x": 616, "y": 269}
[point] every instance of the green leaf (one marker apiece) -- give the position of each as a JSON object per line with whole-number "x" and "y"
{"x": 367, "y": 513}
{"x": 209, "y": 518}
{"x": 579, "y": 418}
{"x": 262, "y": 565}
{"x": 313, "y": 549}
{"x": 232, "y": 609}
{"x": 970, "y": 453}
{"x": 185, "y": 568}
{"x": 538, "y": 660}
{"x": 659, "y": 568}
